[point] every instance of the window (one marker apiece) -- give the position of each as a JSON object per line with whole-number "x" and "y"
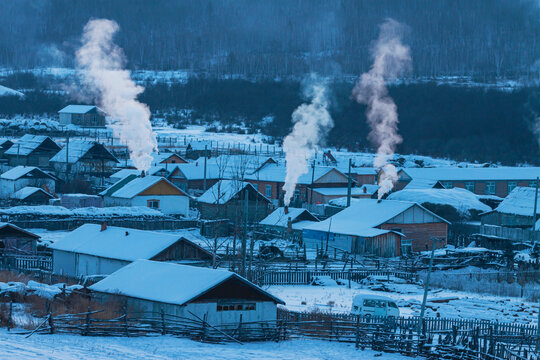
{"x": 236, "y": 307}
{"x": 490, "y": 188}
{"x": 153, "y": 204}
{"x": 296, "y": 194}
{"x": 469, "y": 185}
{"x": 447, "y": 184}
{"x": 406, "y": 246}
{"x": 392, "y": 305}
{"x": 511, "y": 186}
{"x": 268, "y": 191}
{"x": 375, "y": 303}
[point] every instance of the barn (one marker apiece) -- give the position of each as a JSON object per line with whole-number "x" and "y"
{"x": 93, "y": 249}
{"x": 217, "y": 296}
{"x": 516, "y": 210}
{"x": 383, "y": 228}
{"x": 17, "y": 241}
{"x": 151, "y": 191}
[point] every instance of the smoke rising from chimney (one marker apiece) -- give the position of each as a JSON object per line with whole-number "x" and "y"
{"x": 312, "y": 122}
{"x": 101, "y": 63}
{"x": 390, "y": 59}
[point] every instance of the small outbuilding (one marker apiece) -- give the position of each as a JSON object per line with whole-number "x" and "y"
{"x": 516, "y": 210}
{"x": 218, "y": 296}
{"x": 31, "y": 195}
{"x": 94, "y": 249}
{"x": 32, "y": 150}
{"x": 288, "y": 219}
{"x": 17, "y": 241}
{"x": 20, "y": 177}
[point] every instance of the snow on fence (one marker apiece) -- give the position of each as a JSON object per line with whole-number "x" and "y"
{"x": 515, "y": 234}
{"x": 305, "y": 277}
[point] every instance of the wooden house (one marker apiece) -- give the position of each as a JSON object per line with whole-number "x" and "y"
{"x": 197, "y": 149}
{"x": 95, "y": 249}
{"x": 151, "y": 191}
{"x": 383, "y": 228}
{"x": 289, "y": 220}
{"x": 17, "y": 241}
{"x": 325, "y": 195}
{"x": 20, "y": 177}
{"x": 217, "y": 296}
{"x": 269, "y": 181}
{"x": 85, "y": 160}
{"x": 82, "y": 115}
{"x": 195, "y": 178}
{"x": 32, "y": 150}
{"x": 516, "y": 210}
{"x": 226, "y": 200}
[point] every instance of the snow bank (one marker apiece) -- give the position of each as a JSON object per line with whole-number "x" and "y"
{"x": 462, "y": 200}
{"x": 90, "y": 212}
{"x": 35, "y": 288}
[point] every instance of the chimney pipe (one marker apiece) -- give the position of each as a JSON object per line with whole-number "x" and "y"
{"x": 143, "y": 174}
{"x": 286, "y": 210}
{"x": 127, "y": 233}
{"x": 103, "y": 226}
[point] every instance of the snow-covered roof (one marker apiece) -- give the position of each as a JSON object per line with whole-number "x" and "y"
{"x": 27, "y": 191}
{"x": 537, "y": 225}
{"x": 77, "y": 109}
{"x": 473, "y": 173}
{"x": 22, "y": 171}
{"x": 421, "y": 184}
{"x": 279, "y": 218}
{"x": 135, "y": 186}
{"x": 200, "y": 145}
{"x": 5, "y": 91}
{"x": 77, "y": 149}
{"x": 195, "y": 171}
{"x": 27, "y": 144}
{"x": 223, "y": 191}
{"x": 519, "y": 202}
{"x": 363, "y": 216}
{"x": 462, "y": 200}
{"x": 167, "y": 283}
{"x": 5, "y": 224}
{"x": 115, "y": 242}
{"x": 277, "y": 173}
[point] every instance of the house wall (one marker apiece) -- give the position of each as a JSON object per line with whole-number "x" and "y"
{"x": 168, "y": 204}
{"x": 256, "y": 212}
{"x": 364, "y": 179}
{"x": 94, "y": 265}
{"x": 421, "y": 234}
{"x": 507, "y": 220}
{"x": 18, "y": 244}
{"x": 64, "y": 263}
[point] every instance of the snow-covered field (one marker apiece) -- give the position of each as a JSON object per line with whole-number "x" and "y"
{"x": 63, "y": 347}
{"x": 338, "y": 299}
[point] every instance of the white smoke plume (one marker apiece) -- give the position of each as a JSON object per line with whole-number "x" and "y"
{"x": 311, "y": 125}
{"x": 390, "y": 59}
{"x": 101, "y": 63}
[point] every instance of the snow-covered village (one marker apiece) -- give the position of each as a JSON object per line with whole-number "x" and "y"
{"x": 258, "y": 179}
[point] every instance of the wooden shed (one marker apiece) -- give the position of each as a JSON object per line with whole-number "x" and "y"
{"x": 17, "y": 241}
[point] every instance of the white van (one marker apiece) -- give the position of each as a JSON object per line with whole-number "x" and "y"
{"x": 372, "y": 305}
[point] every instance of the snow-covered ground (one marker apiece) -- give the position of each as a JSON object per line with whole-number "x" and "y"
{"x": 62, "y": 347}
{"x": 408, "y": 297}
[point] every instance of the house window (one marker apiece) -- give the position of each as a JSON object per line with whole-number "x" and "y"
{"x": 236, "y": 307}
{"x": 511, "y": 186}
{"x": 490, "y": 188}
{"x": 469, "y": 185}
{"x": 268, "y": 191}
{"x": 296, "y": 194}
{"x": 153, "y": 204}
{"x": 406, "y": 246}
{"x": 447, "y": 184}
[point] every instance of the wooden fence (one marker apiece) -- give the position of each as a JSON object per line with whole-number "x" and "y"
{"x": 26, "y": 262}
{"x": 515, "y": 234}
{"x": 380, "y": 334}
{"x": 305, "y": 277}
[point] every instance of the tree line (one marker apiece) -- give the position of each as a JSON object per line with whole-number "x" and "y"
{"x": 483, "y": 39}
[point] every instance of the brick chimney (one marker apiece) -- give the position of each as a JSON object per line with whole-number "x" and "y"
{"x": 286, "y": 210}
{"x": 103, "y": 226}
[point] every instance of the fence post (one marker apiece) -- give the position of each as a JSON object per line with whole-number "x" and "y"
{"x": 10, "y": 314}
{"x": 51, "y": 324}
{"x": 357, "y": 341}
{"x": 163, "y": 331}
{"x": 87, "y": 325}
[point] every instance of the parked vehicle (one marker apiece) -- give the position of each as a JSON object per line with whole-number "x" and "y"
{"x": 372, "y": 305}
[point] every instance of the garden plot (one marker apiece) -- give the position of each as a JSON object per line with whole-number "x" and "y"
{"x": 408, "y": 297}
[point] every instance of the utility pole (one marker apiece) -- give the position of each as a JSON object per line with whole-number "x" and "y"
{"x": 67, "y": 158}
{"x": 244, "y": 237}
{"x": 349, "y": 186}
{"x": 426, "y": 285}
{"x": 204, "y": 179}
{"x": 535, "y": 205}
{"x": 312, "y": 181}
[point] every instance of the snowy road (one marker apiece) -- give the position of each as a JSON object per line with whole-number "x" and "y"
{"x": 63, "y": 347}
